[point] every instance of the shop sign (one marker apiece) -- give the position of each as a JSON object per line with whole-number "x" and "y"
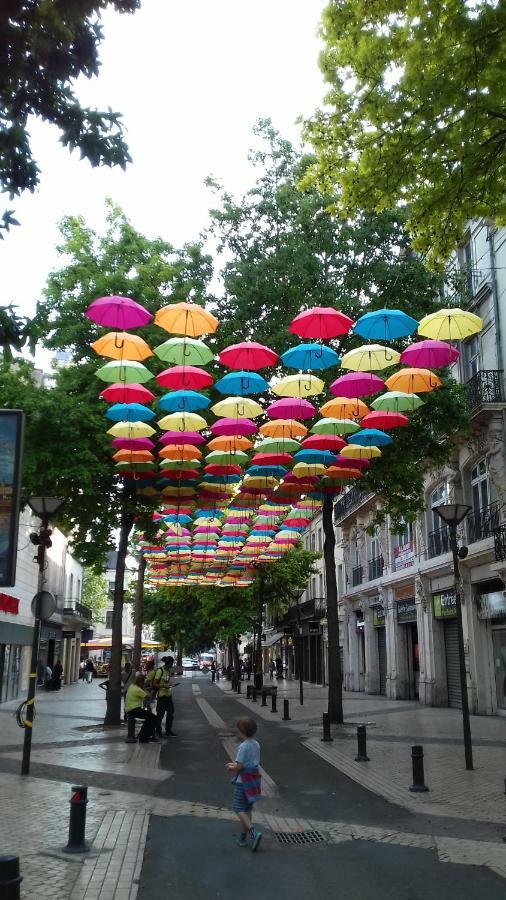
{"x": 313, "y": 627}
{"x": 373, "y": 601}
{"x": 406, "y": 610}
{"x": 11, "y": 449}
{"x": 68, "y": 634}
{"x": 9, "y": 604}
{"x": 404, "y": 556}
{"x": 445, "y": 605}
{"x": 492, "y": 606}
{"x": 378, "y": 616}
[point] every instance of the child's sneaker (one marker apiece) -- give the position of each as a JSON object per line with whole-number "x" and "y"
{"x": 255, "y": 837}
{"x": 241, "y": 841}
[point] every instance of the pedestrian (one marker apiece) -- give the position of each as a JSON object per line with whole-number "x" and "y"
{"x": 213, "y": 670}
{"x": 57, "y": 675}
{"x": 134, "y": 700}
{"x": 279, "y": 667}
{"x": 246, "y": 781}
{"x": 165, "y": 703}
{"x": 89, "y": 671}
{"x": 272, "y": 666}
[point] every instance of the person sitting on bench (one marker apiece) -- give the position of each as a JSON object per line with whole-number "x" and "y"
{"x": 134, "y": 699}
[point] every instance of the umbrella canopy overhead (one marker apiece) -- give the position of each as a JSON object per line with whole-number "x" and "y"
{"x": 124, "y": 372}
{"x": 233, "y": 427}
{"x": 184, "y": 378}
{"x": 176, "y": 437}
{"x": 131, "y": 430}
{"x": 120, "y": 345}
{"x": 450, "y": 325}
{"x": 385, "y": 325}
{"x": 296, "y": 408}
{"x": 397, "y": 401}
{"x": 369, "y": 358}
{"x": 283, "y": 428}
{"x": 183, "y": 401}
{"x": 298, "y": 386}
{"x": 320, "y": 322}
{"x": 278, "y": 445}
{"x": 237, "y": 407}
{"x": 129, "y": 412}
{"x": 310, "y": 356}
{"x": 371, "y": 437}
{"x": 248, "y": 355}
{"x": 118, "y": 312}
{"x": 356, "y": 451}
{"x": 382, "y": 420}
{"x": 241, "y": 383}
{"x": 356, "y": 384}
{"x": 344, "y": 408}
{"x": 323, "y": 442}
{"x": 182, "y": 422}
{"x": 226, "y": 442}
{"x": 132, "y": 443}
{"x": 335, "y": 426}
{"x": 430, "y": 354}
{"x": 126, "y": 393}
{"x": 184, "y": 351}
{"x": 186, "y": 318}
{"x": 413, "y": 381}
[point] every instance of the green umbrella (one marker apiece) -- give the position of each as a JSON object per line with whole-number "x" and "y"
{"x": 124, "y": 372}
{"x": 277, "y": 445}
{"x": 184, "y": 351}
{"x": 397, "y": 401}
{"x": 137, "y": 467}
{"x": 335, "y": 426}
{"x": 180, "y": 464}
{"x": 237, "y": 458}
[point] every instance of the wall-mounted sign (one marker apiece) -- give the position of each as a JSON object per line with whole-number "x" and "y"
{"x": 9, "y": 604}
{"x": 445, "y": 605}
{"x": 404, "y": 556}
{"x": 378, "y": 616}
{"x": 492, "y": 606}
{"x": 313, "y": 627}
{"x": 11, "y": 450}
{"x": 68, "y": 634}
{"x": 406, "y": 610}
{"x": 373, "y": 601}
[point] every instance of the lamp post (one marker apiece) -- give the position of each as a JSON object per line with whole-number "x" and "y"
{"x": 297, "y": 594}
{"x": 452, "y": 515}
{"x": 44, "y": 508}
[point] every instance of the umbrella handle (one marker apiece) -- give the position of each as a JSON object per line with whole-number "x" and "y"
{"x": 120, "y": 345}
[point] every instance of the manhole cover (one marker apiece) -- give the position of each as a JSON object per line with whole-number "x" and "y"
{"x": 299, "y": 837}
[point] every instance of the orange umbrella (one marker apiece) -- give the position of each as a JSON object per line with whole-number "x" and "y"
{"x": 132, "y": 456}
{"x": 185, "y": 318}
{"x": 283, "y": 428}
{"x": 120, "y": 345}
{"x": 344, "y": 408}
{"x": 337, "y": 472}
{"x": 413, "y": 381}
{"x": 230, "y": 443}
{"x": 180, "y": 451}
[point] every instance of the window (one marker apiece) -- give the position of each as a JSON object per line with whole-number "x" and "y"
{"x": 466, "y": 266}
{"x": 320, "y": 539}
{"x": 374, "y": 545}
{"x": 439, "y": 496}
{"x": 71, "y": 587}
{"x": 108, "y": 618}
{"x": 320, "y": 578}
{"x": 110, "y": 590}
{"x": 78, "y": 589}
{"x": 405, "y": 534}
{"x": 480, "y": 486}
{"x": 313, "y": 542}
{"x": 472, "y": 356}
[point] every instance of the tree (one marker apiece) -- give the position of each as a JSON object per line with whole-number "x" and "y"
{"x": 415, "y": 114}
{"x": 45, "y": 47}
{"x": 94, "y": 594}
{"x": 16, "y": 332}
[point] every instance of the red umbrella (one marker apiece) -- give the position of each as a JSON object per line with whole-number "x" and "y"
{"x": 343, "y": 462}
{"x": 174, "y": 473}
{"x": 234, "y": 427}
{"x": 291, "y": 408}
{"x": 213, "y": 469}
{"x": 356, "y": 384}
{"x": 132, "y": 443}
{"x": 320, "y": 322}
{"x": 184, "y": 378}
{"x": 323, "y": 442}
{"x": 271, "y": 459}
{"x": 127, "y": 393}
{"x": 247, "y": 355}
{"x": 382, "y": 420}
{"x": 118, "y": 313}
{"x": 297, "y": 523}
{"x": 179, "y": 437}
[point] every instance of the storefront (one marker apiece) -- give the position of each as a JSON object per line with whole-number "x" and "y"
{"x": 378, "y": 621}
{"x": 50, "y": 649}
{"x": 408, "y": 637}
{"x": 15, "y": 647}
{"x": 491, "y": 609}
{"x": 445, "y": 612}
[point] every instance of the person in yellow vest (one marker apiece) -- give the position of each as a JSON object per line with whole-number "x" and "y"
{"x": 134, "y": 705}
{"x": 164, "y": 703}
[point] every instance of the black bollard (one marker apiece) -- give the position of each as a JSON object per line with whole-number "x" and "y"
{"x": 254, "y": 694}
{"x": 217, "y": 675}
{"x": 274, "y": 707}
{"x": 361, "y": 744}
{"x": 10, "y": 879}
{"x": 418, "y": 786}
{"x": 77, "y": 822}
{"x": 286, "y": 710}
{"x": 264, "y": 698}
{"x": 249, "y": 676}
{"x": 238, "y": 687}
{"x": 326, "y": 728}
{"x": 130, "y": 738}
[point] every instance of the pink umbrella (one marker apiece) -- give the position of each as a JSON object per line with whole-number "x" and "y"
{"x": 181, "y": 377}
{"x": 291, "y": 408}
{"x": 343, "y": 462}
{"x": 320, "y": 322}
{"x": 356, "y": 384}
{"x": 247, "y": 355}
{"x": 118, "y": 313}
{"x": 433, "y": 354}
{"x": 234, "y": 427}
{"x": 179, "y": 437}
{"x": 126, "y": 393}
{"x": 132, "y": 443}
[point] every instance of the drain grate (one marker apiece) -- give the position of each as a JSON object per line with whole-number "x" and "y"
{"x": 299, "y": 837}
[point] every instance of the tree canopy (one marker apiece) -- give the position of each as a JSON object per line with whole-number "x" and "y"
{"x": 95, "y": 594}
{"x": 415, "y": 113}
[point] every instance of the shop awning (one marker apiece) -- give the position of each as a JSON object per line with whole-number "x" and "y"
{"x": 271, "y": 639}
{"x": 106, "y": 643}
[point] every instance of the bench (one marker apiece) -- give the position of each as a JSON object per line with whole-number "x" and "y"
{"x": 268, "y": 690}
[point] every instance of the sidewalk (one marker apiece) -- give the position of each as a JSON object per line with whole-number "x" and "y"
{"x": 393, "y": 726}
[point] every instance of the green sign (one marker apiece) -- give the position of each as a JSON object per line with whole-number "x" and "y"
{"x": 378, "y": 617}
{"x": 445, "y": 605}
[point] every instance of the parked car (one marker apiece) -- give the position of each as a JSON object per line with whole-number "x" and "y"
{"x": 206, "y": 660}
{"x": 189, "y": 664}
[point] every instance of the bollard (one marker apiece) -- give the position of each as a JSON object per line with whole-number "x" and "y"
{"x": 254, "y": 694}
{"x": 233, "y": 682}
{"x": 249, "y": 676}
{"x": 238, "y": 687}
{"x": 286, "y": 710}
{"x": 326, "y": 728}
{"x": 418, "y": 786}
{"x": 217, "y": 675}
{"x": 130, "y": 738}
{"x": 361, "y": 744}
{"x": 77, "y": 822}
{"x": 264, "y": 698}
{"x": 10, "y": 879}
{"x": 274, "y": 707}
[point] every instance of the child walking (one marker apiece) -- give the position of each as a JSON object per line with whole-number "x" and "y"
{"x": 246, "y": 782}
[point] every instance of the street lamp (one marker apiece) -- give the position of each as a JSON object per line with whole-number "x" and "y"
{"x": 44, "y": 508}
{"x": 297, "y": 594}
{"x": 452, "y": 515}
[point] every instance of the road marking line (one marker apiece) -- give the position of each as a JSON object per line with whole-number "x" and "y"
{"x": 196, "y": 689}
{"x": 212, "y": 717}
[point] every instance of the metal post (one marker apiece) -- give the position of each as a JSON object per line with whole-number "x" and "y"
{"x": 418, "y": 786}
{"x": 361, "y": 744}
{"x": 10, "y": 879}
{"x": 286, "y": 711}
{"x": 217, "y": 675}
{"x": 77, "y": 822}
{"x": 264, "y": 698}
{"x": 254, "y": 694}
{"x": 238, "y": 685}
{"x": 274, "y": 707}
{"x": 130, "y": 738}
{"x": 32, "y": 678}
{"x": 326, "y": 728}
{"x": 466, "y": 724}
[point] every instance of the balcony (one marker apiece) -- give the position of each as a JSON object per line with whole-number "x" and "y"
{"x": 500, "y": 543}
{"x": 357, "y": 576}
{"x": 375, "y": 568}
{"x": 482, "y": 524}
{"x": 351, "y": 499}
{"x": 439, "y": 542}
{"x": 484, "y": 388}
{"x": 76, "y": 610}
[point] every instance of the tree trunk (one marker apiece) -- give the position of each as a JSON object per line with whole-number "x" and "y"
{"x": 138, "y": 610}
{"x": 335, "y": 676}
{"x": 235, "y": 657}
{"x": 259, "y": 662}
{"x": 113, "y": 713}
{"x": 179, "y": 653}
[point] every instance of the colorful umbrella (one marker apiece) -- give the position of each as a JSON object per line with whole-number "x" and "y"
{"x": 413, "y": 381}
{"x": 298, "y": 386}
{"x": 119, "y": 345}
{"x": 124, "y": 371}
{"x": 379, "y": 419}
{"x": 303, "y": 468}
{"x": 385, "y": 325}
{"x": 323, "y": 457}
{"x": 183, "y": 401}
{"x": 133, "y": 456}
{"x": 184, "y": 352}
{"x": 129, "y": 412}
{"x": 369, "y": 358}
{"x": 323, "y": 442}
{"x": 118, "y": 312}
{"x": 226, "y": 442}
{"x": 433, "y": 354}
{"x": 320, "y": 322}
{"x": 450, "y": 325}
{"x": 186, "y": 318}
{"x": 371, "y": 437}
{"x": 241, "y": 383}
{"x": 179, "y": 464}
{"x": 182, "y": 422}
{"x": 291, "y": 409}
{"x": 175, "y": 437}
{"x": 397, "y": 401}
{"x": 310, "y": 356}
{"x": 271, "y": 459}
{"x": 356, "y": 451}
{"x": 283, "y": 428}
{"x": 335, "y": 427}
{"x": 131, "y": 430}
{"x": 344, "y": 408}
{"x": 233, "y": 427}
{"x": 132, "y": 443}
{"x": 232, "y": 457}
{"x": 184, "y": 377}
{"x": 356, "y": 384}
{"x": 180, "y": 451}
{"x": 247, "y": 355}
{"x": 278, "y": 445}
{"x": 126, "y": 393}
{"x": 237, "y": 407}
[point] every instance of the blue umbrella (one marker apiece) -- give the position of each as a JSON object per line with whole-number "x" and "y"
{"x": 310, "y": 356}
{"x": 241, "y": 383}
{"x": 208, "y": 513}
{"x": 221, "y": 479}
{"x": 183, "y": 401}
{"x": 130, "y": 412}
{"x": 266, "y": 471}
{"x": 262, "y": 532}
{"x": 315, "y": 457}
{"x": 370, "y": 437}
{"x": 180, "y": 518}
{"x": 385, "y": 325}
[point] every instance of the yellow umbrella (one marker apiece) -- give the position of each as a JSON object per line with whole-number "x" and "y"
{"x": 283, "y": 428}
{"x": 450, "y": 325}
{"x": 237, "y": 407}
{"x": 301, "y": 469}
{"x": 344, "y": 408}
{"x": 182, "y": 421}
{"x": 179, "y": 491}
{"x": 413, "y": 381}
{"x": 131, "y": 430}
{"x": 355, "y": 451}
{"x": 186, "y": 318}
{"x": 298, "y": 386}
{"x": 370, "y": 358}
{"x": 259, "y": 481}
{"x": 120, "y": 345}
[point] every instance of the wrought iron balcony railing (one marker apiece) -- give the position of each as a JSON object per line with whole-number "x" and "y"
{"x": 483, "y": 523}
{"x": 349, "y": 500}
{"x": 500, "y": 542}
{"x": 439, "y": 542}
{"x": 356, "y": 576}
{"x": 77, "y": 609}
{"x": 375, "y": 568}
{"x": 484, "y": 387}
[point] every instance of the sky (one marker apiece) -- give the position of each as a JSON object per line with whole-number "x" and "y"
{"x": 190, "y": 77}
